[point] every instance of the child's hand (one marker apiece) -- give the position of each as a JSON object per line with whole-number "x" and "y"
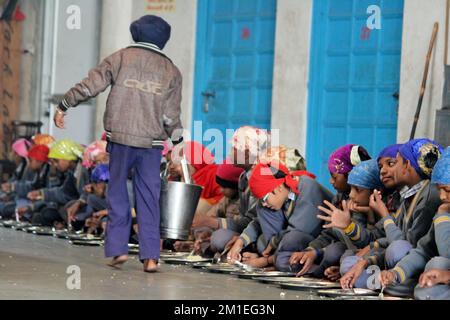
{"x": 356, "y": 208}
{"x": 377, "y": 204}
{"x": 73, "y": 210}
{"x": 305, "y": 258}
{"x": 444, "y": 208}
{"x": 349, "y": 279}
{"x": 332, "y": 273}
{"x": 267, "y": 250}
{"x": 34, "y": 195}
{"x": 235, "y": 252}
{"x": 363, "y": 251}
{"x": 387, "y": 277}
{"x": 21, "y": 211}
{"x": 337, "y": 218}
{"x": 433, "y": 277}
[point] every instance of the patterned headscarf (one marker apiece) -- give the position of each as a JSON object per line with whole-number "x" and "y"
{"x": 100, "y": 173}
{"x": 365, "y": 175}
{"x": 422, "y": 154}
{"x": 344, "y": 159}
{"x": 21, "y": 147}
{"x": 441, "y": 171}
{"x": 43, "y": 139}
{"x": 289, "y": 157}
{"x": 250, "y": 138}
{"x": 93, "y": 150}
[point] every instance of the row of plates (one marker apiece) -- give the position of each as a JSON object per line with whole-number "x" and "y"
{"x": 285, "y": 280}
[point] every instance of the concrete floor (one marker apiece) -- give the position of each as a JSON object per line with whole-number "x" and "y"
{"x": 34, "y": 267}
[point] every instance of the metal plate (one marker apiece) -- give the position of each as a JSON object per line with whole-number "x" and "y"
{"x": 347, "y": 292}
{"x": 22, "y": 226}
{"x": 227, "y": 269}
{"x": 370, "y": 298}
{"x": 43, "y": 231}
{"x": 262, "y": 274}
{"x": 92, "y": 243}
{"x": 308, "y": 285}
{"x": 172, "y": 254}
{"x": 9, "y": 223}
{"x": 203, "y": 265}
{"x": 84, "y": 237}
{"x": 278, "y": 280}
{"x": 185, "y": 260}
{"x": 62, "y": 234}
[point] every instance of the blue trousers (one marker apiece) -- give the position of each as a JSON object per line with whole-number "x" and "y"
{"x": 147, "y": 187}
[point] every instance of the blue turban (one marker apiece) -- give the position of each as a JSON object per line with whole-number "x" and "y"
{"x": 441, "y": 171}
{"x": 151, "y": 29}
{"x": 389, "y": 152}
{"x": 423, "y": 155}
{"x": 100, "y": 173}
{"x": 365, "y": 175}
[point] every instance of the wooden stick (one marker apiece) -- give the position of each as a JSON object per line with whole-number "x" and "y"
{"x": 424, "y": 80}
{"x": 446, "y": 33}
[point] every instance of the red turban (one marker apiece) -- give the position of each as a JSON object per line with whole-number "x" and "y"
{"x": 265, "y": 178}
{"x": 228, "y": 175}
{"x": 39, "y": 153}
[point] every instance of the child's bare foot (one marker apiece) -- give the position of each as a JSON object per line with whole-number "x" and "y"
{"x": 249, "y": 256}
{"x": 260, "y": 262}
{"x": 150, "y": 265}
{"x": 332, "y": 273}
{"x": 118, "y": 261}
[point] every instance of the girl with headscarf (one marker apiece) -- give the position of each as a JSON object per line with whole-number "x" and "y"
{"x": 340, "y": 163}
{"x": 432, "y": 254}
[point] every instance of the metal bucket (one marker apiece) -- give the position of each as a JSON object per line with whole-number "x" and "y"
{"x": 178, "y": 203}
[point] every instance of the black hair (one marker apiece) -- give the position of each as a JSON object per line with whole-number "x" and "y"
{"x": 363, "y": 154}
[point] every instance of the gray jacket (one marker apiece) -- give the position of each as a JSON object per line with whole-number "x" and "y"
{"x": 143, "y": 107}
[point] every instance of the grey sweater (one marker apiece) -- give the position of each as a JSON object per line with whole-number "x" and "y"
{"x": 143, "y": 107}
{"x": 435, "y": 243}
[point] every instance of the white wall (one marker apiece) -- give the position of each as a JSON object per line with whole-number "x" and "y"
{"x": 181, "y": 46}
{"x": 419, "y": 17}
{"x": 68, "y": 56}
{"x": 291, "y": 71}
{"x": 115, "y": 35}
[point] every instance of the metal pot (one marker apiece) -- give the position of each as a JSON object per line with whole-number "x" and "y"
{"x": 178, "y": 203}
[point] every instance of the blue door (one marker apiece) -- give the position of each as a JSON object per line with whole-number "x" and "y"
{"x": 234, "y": 68}
{"x": 354, "y": 79}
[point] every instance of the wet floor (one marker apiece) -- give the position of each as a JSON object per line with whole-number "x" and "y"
{"x": 41, "y": 267}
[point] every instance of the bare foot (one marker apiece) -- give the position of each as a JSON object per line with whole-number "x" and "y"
{"x": 150, "y": 265}
{"x": 260, "y": 262}
{"x": 118, "y": 261}
{"x": 332, "y": 273}
{"x": 249, "y": 256}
